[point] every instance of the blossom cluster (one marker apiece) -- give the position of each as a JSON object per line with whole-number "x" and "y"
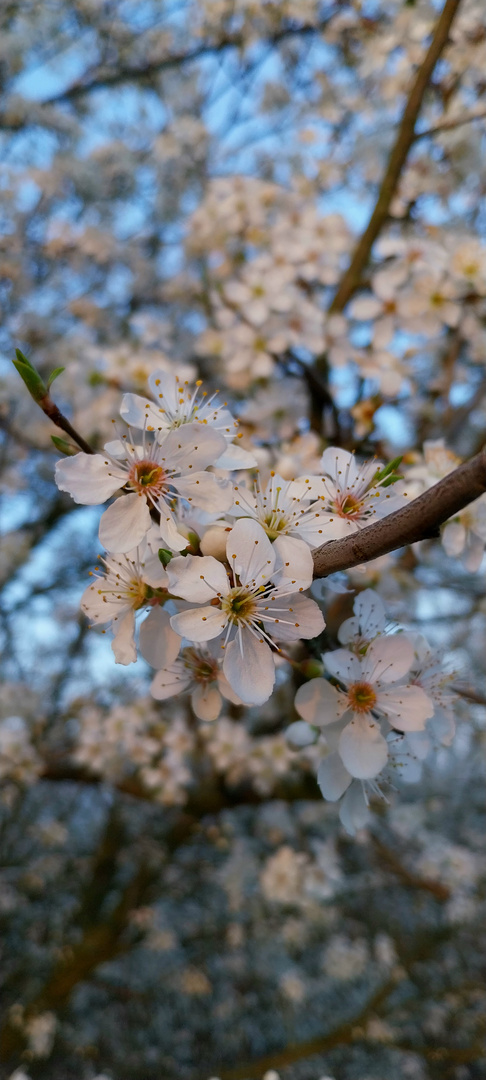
{"x": 218, "y": 558}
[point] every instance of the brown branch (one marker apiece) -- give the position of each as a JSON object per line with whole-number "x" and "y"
{"x": 405, "y": 139}
{"x": 449, "y": 125}
{"x": 419, "y": 520}
{"x": 51, "y": 410}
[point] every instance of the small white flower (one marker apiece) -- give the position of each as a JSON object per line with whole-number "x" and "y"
{"x": 251, "y": 608}
{"x": 280, "y": 512}
{"x": 348, "y": 497}
{"x": 371, "y": 693}
{"x": 157, "y": 476}
{"x": 177, "y": 403}
{"x": 199, "y": 671}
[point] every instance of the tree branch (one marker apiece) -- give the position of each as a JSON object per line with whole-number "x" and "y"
{"x": 420, "y": 520}
{"x": 405, "y": 139}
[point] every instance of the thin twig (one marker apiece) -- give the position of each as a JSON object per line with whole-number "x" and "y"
{"x": 405, "y": 139}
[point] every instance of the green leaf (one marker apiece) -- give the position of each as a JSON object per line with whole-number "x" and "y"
{"x": 57, "y": 371}
{"x": 165, "y": 556}
{"x": 33, "y": 381}
{"x": 63, "y": 446}
{"x": 381, "y": 474}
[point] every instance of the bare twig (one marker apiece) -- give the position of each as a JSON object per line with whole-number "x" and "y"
{"x": 405, "y": 139}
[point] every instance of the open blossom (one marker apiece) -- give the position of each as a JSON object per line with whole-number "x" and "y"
{"x": 368, "y": 621}
{"x": 279, "y": 511}
{"x": 157, "y": 476}
{"x": 349, "y": 493}
{"x": 258, "y": 601}
{"x": 373, "y": 692}
{"x": 464, "y": 535}
{"x": 199, "y": 670}
{"x": 123, "y": 585}
{"x": 177, "y": 403}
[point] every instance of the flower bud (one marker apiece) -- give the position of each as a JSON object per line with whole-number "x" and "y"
{"x": 300, "y": 734}
{"x": 214, "y": 541}
{"x": 312, "y": 668}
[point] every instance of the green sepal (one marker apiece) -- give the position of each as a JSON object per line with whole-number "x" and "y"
{"x": 63, "y": 446}
{"x": 387, "y": 471}
{"x": 165, "y": 556}
{"x": 33, "y": 381}
{"x": 57, "y": 371}
{"x": 391, "y": 479}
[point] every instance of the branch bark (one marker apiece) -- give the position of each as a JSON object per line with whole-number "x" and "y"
{"x": 420, "y": 520}
{"x": 405, "y": 139}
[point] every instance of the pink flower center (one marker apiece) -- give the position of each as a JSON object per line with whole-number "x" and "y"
{"x": 203, "y": 668}
{"x": 361, "y": 697}
{"x": 149, "y": 477}
{"x": 348, "y": 506}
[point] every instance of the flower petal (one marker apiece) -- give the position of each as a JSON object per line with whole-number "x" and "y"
{"x": 197, "y": 578}
{"x": 294, "y": 561}
{"x": 333, "y": 778}
{"x": 249, "y": 668}
{"x": 206, "y": 702}
{"x": 319, "y": 703}
{"x": 288, "y": 618}
{"x": 123, "y": 644}
{"x": 199, "y": 624}
{"x": 363, "y": 749}
{"x": 249, "y": 552}
{"x": 158, "y": 642}
{"x": 173, "y": 679}
{"x": 89, "y": 478}
{"x": 343, "y": 665}
{"x": 388, "y": 658}
{"x": 125, "y": 523}
{"x": 207, "y": 491}
{"x": 406, "y": 707}
{"x": 354, "y": 812}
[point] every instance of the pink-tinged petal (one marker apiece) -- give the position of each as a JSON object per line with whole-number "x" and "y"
{"x": 206, "y": 702}
{"x": 319, "y": 703}
{"x": 197, "y": 578}
{"x": 206, "y": 491}
{"x": 236, "y": 457}
{"x": 363, "y": 749}
{"x": 249, "y": 552}
{"x": 406, "y": 707}
{"x": 89, "y": 478}
{"x": 123, "y": 644}
{"x": 159, "y": 643}
{"x": 388, "y": 659}
{"x": 354, "y": 812}
{"x": 199, "y": 624}
{"x": 227, "y": 690}
{"x": 294, "y": 562}
{"x": 344, "y": 470}
{"x": 125, "y": 524}
{"x": 288, "y": 618}
{"x": 191, "y": 447}
{"x": 333, "y": 778}
{"x": 173, "y": 679}
{"x": 343, "y": 665}
{"x": 249, "y": 668}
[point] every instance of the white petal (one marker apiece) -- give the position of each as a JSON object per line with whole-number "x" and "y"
{"x": 319, "y": 703}
{"x": 236, "y": 457}
{"x": 249, "y": 669}
{"x": 369, "y": 618}
{"x": 123, "y": 643}
{"x": 388, "y": 658}
{"x": 354, "y": 812}
{"x": 199, "y": 624}
{"x": 125, "y": 524}
{"x": 343, "y": 665}
{"x": 294, "y": 561}
{"x": 153, "y": 573}
{"x": 89, "y": 478}
{"x": 249, "y": 552}
{"x": 173, "y": 679}
{"x": 159, "y": 643}
{"x": 333, "y": 778}
{"x": 288, "y": 618}
{"x": 165, "y": 389}
{"x": 226, "y": 690}
{"x": 363, "y": 749}
{"x": 406, "y": 707}
{"x": 206, "y": 702}
{"x": 191, "y": 447}
{"x": 197, "y": 578}
{"x": 206, "y": 491}
{"x": 343, "y": 467}
{"x": 171, "y": 537}
{"x": 138, "y": 412}
{"x": 97, "y": 608}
